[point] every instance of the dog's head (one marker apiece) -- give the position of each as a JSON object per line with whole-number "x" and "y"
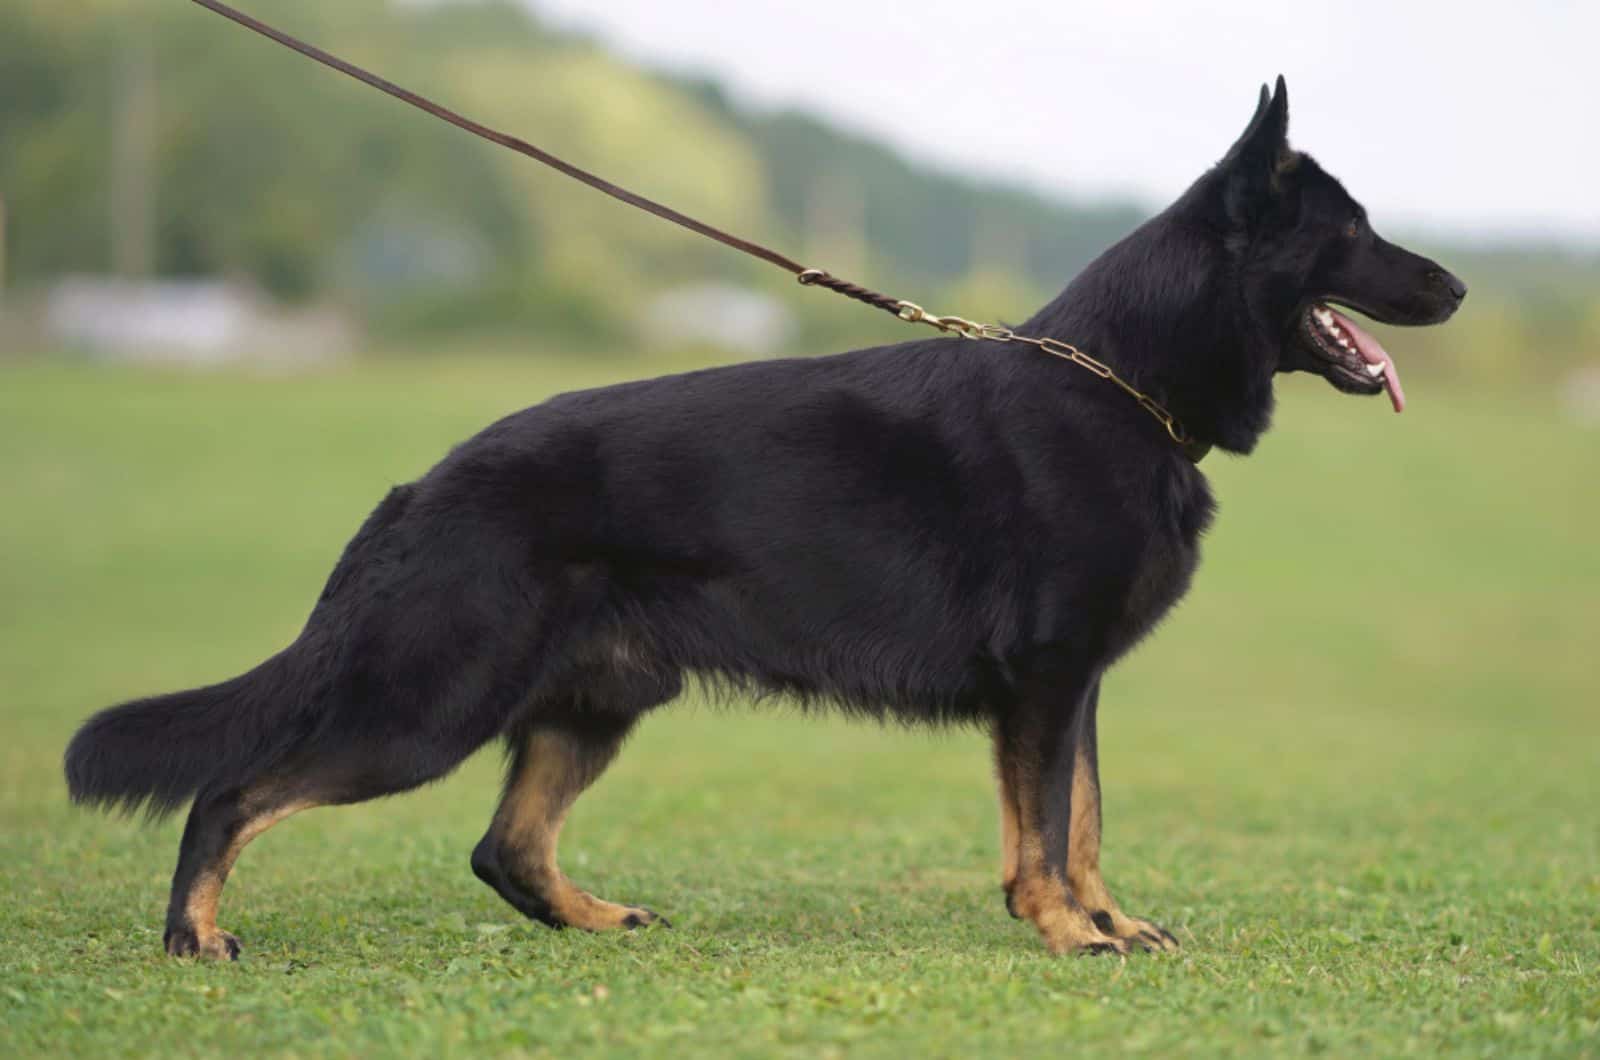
{"x": 1305, "y": 246}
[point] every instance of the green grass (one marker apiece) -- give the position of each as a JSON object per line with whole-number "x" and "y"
{"x": 1356, "y": 772}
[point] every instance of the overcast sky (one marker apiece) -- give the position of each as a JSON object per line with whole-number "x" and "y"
{"x": 1467, "y": 118}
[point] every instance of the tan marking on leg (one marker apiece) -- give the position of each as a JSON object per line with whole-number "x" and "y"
{"x": 1083, "y": 864}
{"x": 1008, "y": 816}
{"x": 206, "y": 892}
{"x": 1008, "y": 844}
{"x": 527, "y": 826}
{"x": 1039, "y": 894}
{"x": 201, "y": 909}
{"x": 1083, "y": 842}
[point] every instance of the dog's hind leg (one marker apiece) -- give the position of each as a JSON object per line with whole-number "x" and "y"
{"x": 1083, "y": 845}
{"x": 223, "y": 820}
{"x": 219, "y": 826}
{"x": 557, "y": 750}
{"x": 550, "y": 768}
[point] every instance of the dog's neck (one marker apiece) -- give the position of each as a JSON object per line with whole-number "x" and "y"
{"x": 1164, "y": 307}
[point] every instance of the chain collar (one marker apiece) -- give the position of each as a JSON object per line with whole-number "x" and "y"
{"x": 1192, "y": 447}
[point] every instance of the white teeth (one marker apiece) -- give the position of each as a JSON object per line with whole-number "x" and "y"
{"x": 1325, "y": 316}
{"x": 1376, "y": 370}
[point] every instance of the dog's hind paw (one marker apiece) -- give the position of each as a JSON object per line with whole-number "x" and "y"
{"x": 580, "y": 909}
{"x": 186, "y": 942}
{"x": 639, "y": 916}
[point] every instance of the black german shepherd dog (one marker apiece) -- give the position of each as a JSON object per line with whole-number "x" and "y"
{"x": 938, "y": 531}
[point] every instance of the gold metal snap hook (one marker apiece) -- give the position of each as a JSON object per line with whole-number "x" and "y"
{"x": 967, "y": 329}
{"x": 912, "y": 313}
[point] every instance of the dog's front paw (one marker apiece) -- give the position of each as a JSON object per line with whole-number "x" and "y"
{"x": 1065, "y": 926}
{"x": 1097, "y": 947}
{"x": 1077, "y": 940}
{"x": 1147, "y": 936}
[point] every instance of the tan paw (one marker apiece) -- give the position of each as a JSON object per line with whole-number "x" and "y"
{"x": 578, "y": 909}
{"x": 1068, "y": 929}
{"x": 1153, "y": 938}
{"x": 216, "y": 944}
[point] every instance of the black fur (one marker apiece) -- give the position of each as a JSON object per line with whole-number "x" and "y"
{"x": 935, "y": 531}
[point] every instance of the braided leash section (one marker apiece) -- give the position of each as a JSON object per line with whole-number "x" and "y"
{"x": 820, "y": 278}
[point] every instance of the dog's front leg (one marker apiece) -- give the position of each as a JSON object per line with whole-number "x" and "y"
{"x": 1083, "y": 844}
{"x": 1036, "y": 752}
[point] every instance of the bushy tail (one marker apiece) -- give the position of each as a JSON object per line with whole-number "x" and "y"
{"x": 157, "y": 753}
{"x": 160, "y": 752}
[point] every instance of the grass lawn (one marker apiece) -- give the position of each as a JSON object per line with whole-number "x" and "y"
{"x": 1357, "y": 773}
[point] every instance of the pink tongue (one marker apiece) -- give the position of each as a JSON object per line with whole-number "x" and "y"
{"x": 1374, "y": 353}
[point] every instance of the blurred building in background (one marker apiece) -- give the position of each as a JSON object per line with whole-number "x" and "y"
{"x": 189, "y": 322}
{"x": 736, "y": 319}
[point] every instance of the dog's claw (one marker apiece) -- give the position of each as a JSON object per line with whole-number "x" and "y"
{"x": 650, "y": 918}
{"x": 1095, "y": 949}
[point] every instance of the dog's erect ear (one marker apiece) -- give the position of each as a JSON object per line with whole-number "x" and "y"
{"x": 1262, "y": 104}
{"x": 1266, "y": 139}
{"x": 1262, "y": 152}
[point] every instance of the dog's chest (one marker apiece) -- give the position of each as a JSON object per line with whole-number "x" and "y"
{"x": 1164, "y": 566}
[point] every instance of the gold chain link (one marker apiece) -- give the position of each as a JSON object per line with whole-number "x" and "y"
{"x": 971, "y": 329}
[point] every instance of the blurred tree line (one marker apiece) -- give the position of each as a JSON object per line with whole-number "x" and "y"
{"x": 149, "y": 137}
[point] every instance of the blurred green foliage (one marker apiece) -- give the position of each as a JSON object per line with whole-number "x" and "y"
{"x": 265, "y": 166}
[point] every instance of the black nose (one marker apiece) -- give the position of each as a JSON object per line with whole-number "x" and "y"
{"x": 1450, "y": 282}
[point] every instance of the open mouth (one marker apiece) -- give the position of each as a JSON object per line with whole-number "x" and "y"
{"x": 1356, "y": 360}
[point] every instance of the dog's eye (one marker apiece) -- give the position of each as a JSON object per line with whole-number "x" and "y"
{"x": 1353, "y": 229}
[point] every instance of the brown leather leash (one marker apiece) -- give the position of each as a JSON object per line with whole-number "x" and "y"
{"x": 810, "y": 277}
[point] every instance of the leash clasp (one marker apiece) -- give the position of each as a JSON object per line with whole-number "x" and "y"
{"x": 912, "y": 313}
